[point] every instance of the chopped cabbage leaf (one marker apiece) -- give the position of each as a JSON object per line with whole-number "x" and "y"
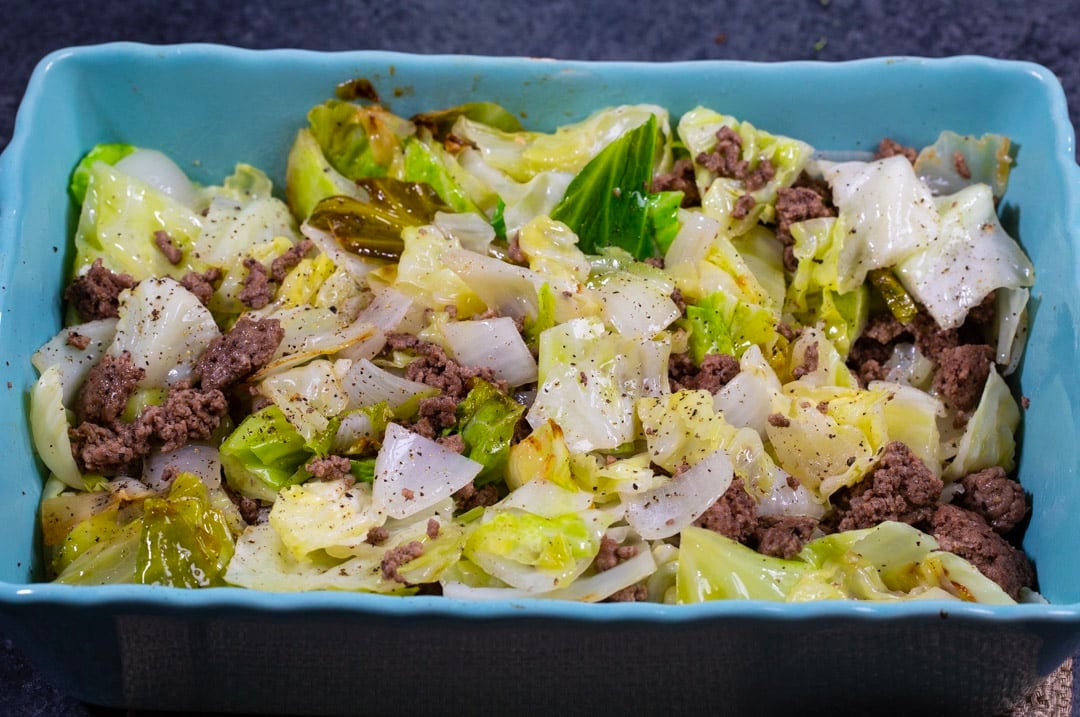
{"x": 486, "y": 420}
{"x": 987, "y": 159}
{"x": 264, "y": 454}
{"x": 989, "y": 437}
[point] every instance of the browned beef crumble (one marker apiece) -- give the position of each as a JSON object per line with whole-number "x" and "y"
{"x": 280, "y": 266}
{"x": 188, "y": 414}
{"x": 810, "y": 362}
{"x": 796, "y": 204}
{"x": 114, "y": 450}
{"x": 201, "y": 284}
{"x": 108, "y": 386}
{"x": 965, "y": 533}
{"x": 743, "y": 206}
{"x": 453, "y": 442}
{"x": 725, "y": 159}
{"x": 679, "y": 179}
{"x": 679, "y": 301}
{"x": 961, "y": 374}
{"x": 960, "y": 165}
{"x": 257, "y": 292}
{"x": 377, "y": 536}
{"x": 238, "y": 353}
{"x": 993, "y": 495}
{"x": 734, "y": 514}
{"x": 433, "y": 367}
{"x": 779, "y": 420}
{"x": 890, "y": 148}
{"x": 783, "y": 536}
{"x": 95, "y": 294}
{"x": 77, "y": 341}
{"x": 396, "y": 557}
{"x": 633, "y": 593}
{"x": 432, "y": 528}
{"x": 611, "y": 554}
{"x": 715, "y": 371}
{"x": 435, "y": 414}
{"x": 164, "y": 243}
{"x": 900, "y": 488}
{"x": 330, "y": 467}
{"x": 514, "y": 252}
{"x": 470, "y": 497}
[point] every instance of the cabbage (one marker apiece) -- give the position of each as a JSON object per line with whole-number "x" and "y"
{"x": 989, "y": 437}
{"x": 413, "y": 473}
{"x": 972, "y": 256}
{"x": 160, "y": 172}
{"x": 264, "y": 454}
{"x": 422, "y": 274}
{"x": 427, "y": 161}
{"x": 100, "y": 551}
{"x": 609, "y": 479}
{"x": 911, "y": 418}
{"x": 589, "y": 381}
{"x": 888, "y": 214}
{"x": 165, "y": 329}
{"x": 107, "y": 153}
{"x": 49, "y": 427}
{"x": 471, "y": 230}
{"x": 831, "y": 369}
{"x": 1010, "y": 317}
{"x": 635, "y": 306}
{"x": 309, "y": 396}
{"x": 311, "y": 332}
{"x": 325, "y": 515}
{"x": 186, "y": 542}
{"x": 494, "y": 343}
{"x": 119, "y": 217}
{"x": 360, "y": 141}
{"x": 74, "y": 363}
{"x": 988, "y": 159}
{"x": 367, "y": 385}
{"x": 721, "y": 323}
{"x": 552, "y": 249}
{"x": 540, "y": 455}
{"x": 891, "y": 561}
{"x": 680, "y": 428}
{"x": 309, "y": 178}
{"x": 487, "y": 418}
{"x": 521, "y": 202}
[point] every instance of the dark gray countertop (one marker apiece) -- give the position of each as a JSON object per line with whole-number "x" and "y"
{"x": 1044, "y": 31}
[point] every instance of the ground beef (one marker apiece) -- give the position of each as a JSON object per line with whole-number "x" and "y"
{"x": 783, "y": 536}
{"x": 377, "y": 536}
{"x": 758, "y": 178}
{"x": 108, "y": 386}
{"x": 967, "y": 534}
{"x": 960, "y": 165}
{"x": 240, "y": 352}
{"x": 793, "y": 205}
{"x": 679, "y": 301}
{"x": 164, "y": 242}
{"x": 201, "y": 284}
{"x": 454, "y": 442}
{"x": 779, "y": 420}
{"x": 734, "y": 514}
{"x": 434, "y": 368}
{"x": 292, "y": 256}
{"x": 994, "y": 496}
{"x": 883, "y": 332}
{"x": 396, "y": 557}
{"x": 471, "y": 497}
{"x": 330, "y": 467}
{"x": 715, "y": 371}
{"x": 435, "y": 414}
{"x": 611, "y": 554}
{"x": 633, "y": 593}
{"x": 726, "y": 158}
{"x": 899, "y": 488}
{"x": 188, "y": 414}
{"x": 401, "y": 342}
{"x": 249, "y": 509}
{"x": 809, "y": 363}
{"x": 256, "y": 293}
{"x": 962, "y": 373}
{"x": 679, "y": 179}
{"x": 514, "y": 252}
{"x": 110, "y": 450}
{"x": 95, "y": 294}
{"x": 77, "y": 341}
{"x": 743, "y": 206}
{"x": 432, "y": 528}
{"x": 890, "y": 148}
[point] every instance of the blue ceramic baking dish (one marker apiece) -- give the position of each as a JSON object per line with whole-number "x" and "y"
{"x": 234, "y": 650}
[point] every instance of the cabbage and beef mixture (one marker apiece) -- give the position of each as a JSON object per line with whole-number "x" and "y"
{"x": 641, "y": 357}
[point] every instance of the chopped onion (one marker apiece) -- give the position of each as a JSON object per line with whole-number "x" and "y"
{"x": 366, "y": 385}
{"x": 508, "y": 289}
{"x": 469, "y": 228}
{"x": 353, "y": 428}
{"x": 494, "y": 343}
{"x": 412, "y": 473}
{"x": 666, "y": 510}
{"x": 745, "y": 402}
{"x": 341, "y": 257}
{"x": 73, "y": 362}
{"x": 636, "y": 306}
{"x": 386, "y": 311}
{"x": 202, "y": 459}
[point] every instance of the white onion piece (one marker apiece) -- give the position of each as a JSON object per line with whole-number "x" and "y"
{"x": 202, "y": 459}
{"x": 494, "y": 343}
{"x": 460, "y": 591}
{"x": 1011, "y": 319}
{"x": 353, "y": 427}
{"x": 74, "y": 363}
{"x": 413, "y": 473}
{"x": 667, "y": 509}
{"x": 165, "y": 328}
{"x": 341, "y": 257}
{"x": 508, "y": 289}
{"x": 49, "y": 428}
{"x": 366, "y": 384}
{"x": 387, "y": 310}
{"x": 745, "y": 402}
{"x": 470, "y": 229}
{"x": 692, "y": 242}
{"x": 160, "y": 172}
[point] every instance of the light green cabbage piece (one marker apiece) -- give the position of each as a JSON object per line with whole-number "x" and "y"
{"x": 988, "y": 159}
{"x": 888, "y": 215}
{"x": 522, "y": 202}
{"x": 721, "y": 323}
{"x": 911, "y": 418}
{"x": 891, "y": 561}
{"x": 422, "y": 274}
{"x": 552, "y": 249}
{"x": 100, "y": 551}
{"x": 264, "y": 454}
{"x": 590, "y": 379}
{"x": 310, "y": 396}
{"x": 989, "y": 437}
{"x": 680, "y": 428}
{"x": 428, "y": 161}
{"x": 324, "y": 514}
{"x": 973, "y": 255}
{"x": 309, "y": 178}
{"x": 119, "y": 217}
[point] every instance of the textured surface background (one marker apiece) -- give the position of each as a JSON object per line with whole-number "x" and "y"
{"x": 1044, "y": 31}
